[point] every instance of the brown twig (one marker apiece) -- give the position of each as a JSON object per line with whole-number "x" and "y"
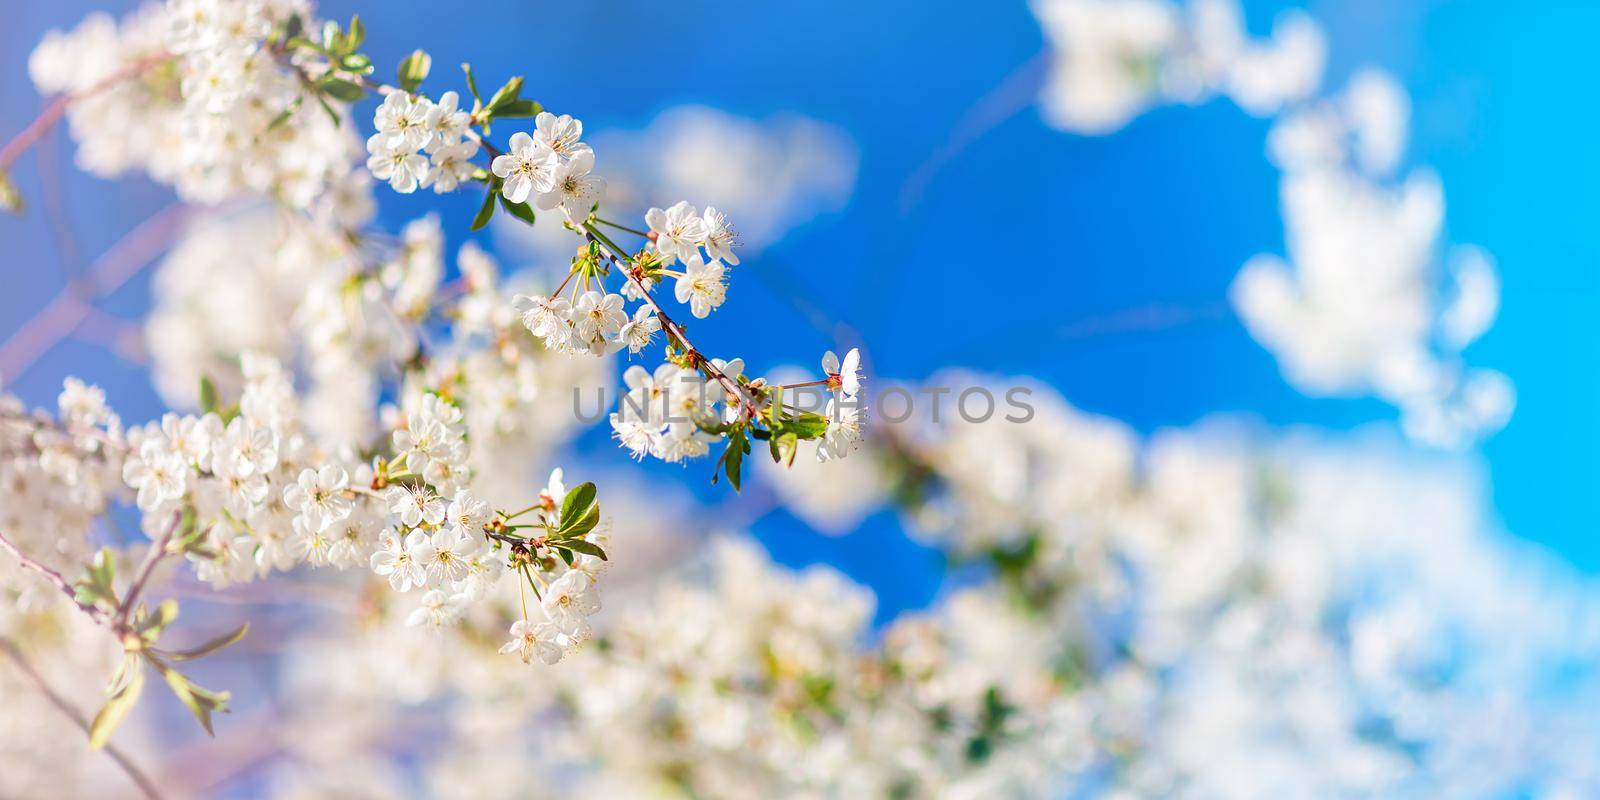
{"x": 55, "y": 578}
{"x": 672, "y": 328}
{"x": 53, "y": 112}
{"x": 158, "y": 551}
{"x": 139, "y": 779}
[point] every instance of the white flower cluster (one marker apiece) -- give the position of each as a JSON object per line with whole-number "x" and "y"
{"x": 553, "y": 169}
{"x": 776, "y": 697}
{"x": 1114, "y": 59}
{"x": 115, "y": 121}
{"x": 1357, "y": 306}
{"x": 846, "y": 410}
{"x": 256, "y": 494}
{"x": 1205, "y": 614}
{"x": 59, "y": 476}
{"x": 295, "y": 288}
{"x": 421, "y": 143}
{"x": 771, "y": 174}
{"x": 46, "y": 747}
{"x": 192, "y": 93}
{"x": 598, "y": 322}
{"x": 660, "y": 413}
{"x": 552, "y": 166}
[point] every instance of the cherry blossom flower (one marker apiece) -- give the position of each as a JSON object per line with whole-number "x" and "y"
{"x": 318, "y": 496}
{"x": 530, "y": 638}
{"x": 678, "y": 231}
{"x": 572, "y": 187}
{"x": 529, "y": 167}
{"x": 720, "y": 238}
{"x": 702, "y": 285}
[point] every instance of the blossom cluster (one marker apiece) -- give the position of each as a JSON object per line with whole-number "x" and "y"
{"x": 1208, "y": 612}
{"x": 771, "y": 174}
{"x": 553, "y": 168}
{"x": 310, "y": 465}
{"x": 421, "y": 143}
{"x": 1114, "y": 59}
{"x": 1357, "y": 305}
{"x": 1367, "y": 300}
{"x": 60, "y": 472}
{"x": 262, "y": 496}
{"x": 196, "y": 94}
{"x": 596, "y": 321}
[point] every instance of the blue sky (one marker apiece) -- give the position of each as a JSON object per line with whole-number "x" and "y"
{"x": 1022, "y": 250}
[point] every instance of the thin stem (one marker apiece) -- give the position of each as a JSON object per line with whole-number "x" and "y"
{"x": 612, "y": 251}
{"x": 158, "y": 551}
{"x": 146, "y": 786}
{"x": 822, "y": 382}
{"x": 523, "y": 592}
{"x": 55, "y": 578}
{"x": 533, "y": 507}
{"x": 53, "y": 112}
{"x": 70, "y": 307}
{"x": 634, "y": 231}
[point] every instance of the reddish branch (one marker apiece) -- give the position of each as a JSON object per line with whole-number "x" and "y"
{"x": 53, "y": 112}
{"x": 63, "y": 314}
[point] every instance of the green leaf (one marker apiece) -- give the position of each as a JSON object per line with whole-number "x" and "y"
{"x": 341, "y": 89}
{"x": 733, "y": 457}
{"x": 783, "y": 447}
{"x": 287, "y": 114}
{"x": 414, "y": 69}
{"x": 472, "y": 83}
{"x": 333, "y": 115}
{"x": 583, "y": 525}
{"x": 486, "y": 211}
{"x": 149, "y": 625}
{"x": 124, "y": 673}
{"x": 357, "y": 63}
{"x": 10, "y": 198}
{"x": 357, "y": 34}
{"x": 506, "y": 94}
{"x": 200, "y": 702}
{"x": 98, "y": 585}
{"x": 518, "y": 109}
{"x": 712, "y": 425}
{"x": 190, "y": 533}
{"x": 808, "y": 425}
{"x": 774, "y": 409}
{"x": 209, "y": 402}
{"x": 332, "y": 40}
{"x": 116, "y": 708}
{"x": 586, "y": 547}
{"x": 521, "y": 211}
{"x": 212, "y": 646}
{"x": 580, "y": 500}
{"x": 293, "y": 28}
{"x": 566, "y": 555}
{"x": 104, "y": 567}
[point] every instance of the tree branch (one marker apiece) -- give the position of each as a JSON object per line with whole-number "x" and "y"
{"x": 98, "y": 614}
{"x": 63, "y": 314}
{"x": 26, "y": 667}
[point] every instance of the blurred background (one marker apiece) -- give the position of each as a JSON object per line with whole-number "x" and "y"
{"x": 908, "y": 182}
{"x": 1097, "y": 264}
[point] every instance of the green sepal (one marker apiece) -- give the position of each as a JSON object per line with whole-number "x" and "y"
{"x": 521, "y": 211}
{"x": 117, "y": 706}
{"x": 414, "y": 70}
{"x": 486, "y": 211}
{"x": 210, "y": 647}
